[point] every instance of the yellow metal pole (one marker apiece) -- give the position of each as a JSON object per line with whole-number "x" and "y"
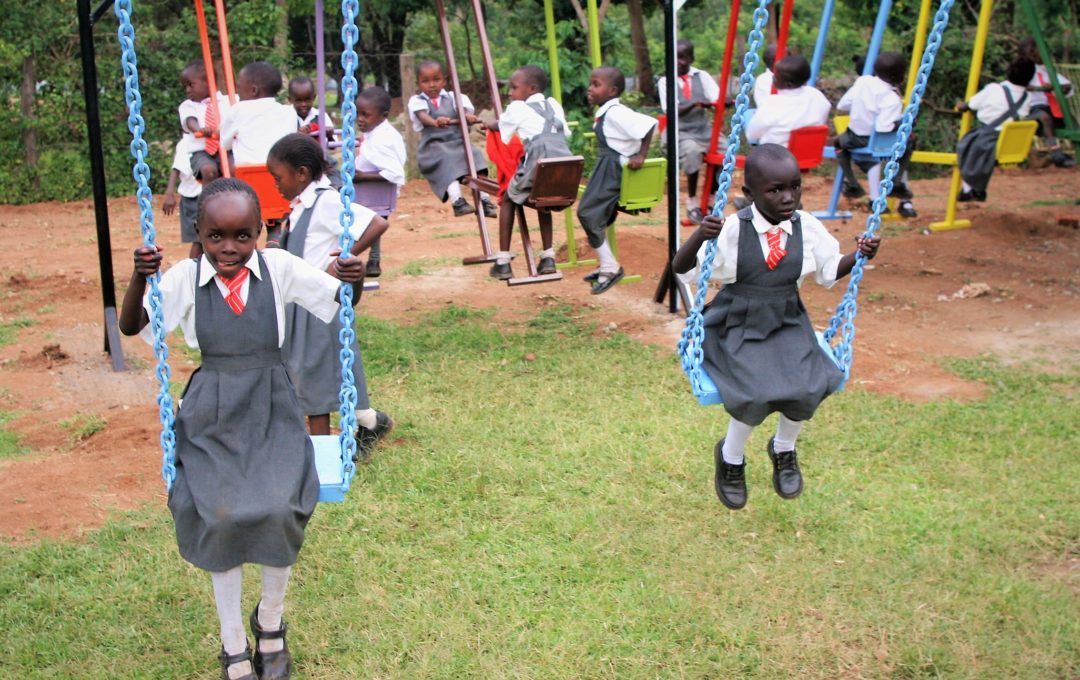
{"x": 917, "y": 49}
{"x": 981, "y": 32}
{"x": 594, "y": 34}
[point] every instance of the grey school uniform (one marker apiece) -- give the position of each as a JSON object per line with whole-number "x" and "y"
{"x": 312, "y": 348}
{"x": 600, "y": 203}
{"x": 760, "y": 348}
{"x": 549, "y": 143}
{"x": 977, "y": 152}
{"x": 245, "y": 483}
{"x": 695, "y": 130}
{"x": 440, "y": 156}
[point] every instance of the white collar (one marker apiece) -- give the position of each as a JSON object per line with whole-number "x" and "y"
{"x": 307, "y": 196}
{"x": 762, "y": 225}
{"x": 690, "y": 72}
{"x": 207, "y": 271}
{"x": 537, "y": 98}
{"x": 606, "y": 106}
{"x": 442, "y": 93}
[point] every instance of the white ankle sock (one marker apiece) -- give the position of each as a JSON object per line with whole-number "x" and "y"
{"x": 735, "y": 442}
{"x": 550, "y": 252}
{"x": 787, "y": 431}
{"x": 608, "y": 263}
{"x": 484, "y": 196}
{"x": 691, "y": 203}
{"x": 503, "y": 257}
{"x": 275, "y": 582}
{"x": 873, "y": 179}
{"x": 366, "y": 418}
{"x": 227, "y": 586}
{"x": 964, "y": 186}
{"x": 453, "y": 191}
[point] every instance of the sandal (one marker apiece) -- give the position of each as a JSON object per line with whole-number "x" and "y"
{"x": 271, "y": 665}
{"x": 228, "y": 660}
{"x": 591, "y": 277}
{"x": 606, "y": 281}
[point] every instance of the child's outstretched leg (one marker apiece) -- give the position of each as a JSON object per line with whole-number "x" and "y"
{"x": 501, "y": 269}
{"x": 730, "y": 453}
{"x": 272, "y": 657}
{"x": 547, "y": 255}
{"x": 786, "y": 479}
{"x": 234, "y": 643}
{"x": 610, "y": 271}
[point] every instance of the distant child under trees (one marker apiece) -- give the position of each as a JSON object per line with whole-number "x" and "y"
{"x": 302, "y": 97}
{"x": 380, "y": 163}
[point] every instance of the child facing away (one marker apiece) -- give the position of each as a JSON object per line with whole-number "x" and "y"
{"x": 246, "y": 483}
{"x": 759, "y": 347}
{"x": 252, "y": 126}
{"x": 763, "y": 84}
{"x": 440, "y": 156}
{"x": 182, "y": 182}
{"x": 540, "y": 124}
{"x": 1045, "y": 107}
{"x": 795, "y": 105}
{"x": 994, "y": 105}
{"x": 696, "y": 93}
{"x": 301, "y": 93}
{"x": 380, "y": 163}
{"x": 197, "y": 117}
{"x": 622, "y": 138}
{"x": 874, "y": 103}
{"x": 311, "y": 346}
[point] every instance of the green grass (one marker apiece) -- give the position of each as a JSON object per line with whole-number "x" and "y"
{"x": 82, "y": 426}
{"x": 546, "y": 511}
{"x": 424, "y": 265}
{"x": 9, "y": 330}
{"x": 10, "y": 446}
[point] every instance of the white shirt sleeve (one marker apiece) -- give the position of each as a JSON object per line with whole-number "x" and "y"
{"x": 385, "y": 150}
{"x": 177, "y": 286}
{"x": 845, "y": 102}
{"x": 727, "y": 248}
{"x": 189, "y": 109}
{"x": 302, "y": 283}
{"x": 230, "y": 125}
{"x": 824, "y": 249}
{"x": 466, "y": 103}
{"x": 890, "y": 110}
{"x": 510, "y": 120}
{"x": 709, "y": 86}
{"x": 983, "y": 97}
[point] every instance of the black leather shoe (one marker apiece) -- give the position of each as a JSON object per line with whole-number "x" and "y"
{"x": 906, "y": 209}
{"x": 602, "y": 284}
{"x": 462, "y": 207}
{"x": 501, "y": 272}
{"x": 271, "y": 665}
{"x": 368, "y": 438}
{"x": 900, "y": 190}
{"x": 227, "y": 660}
{"x": 973, "y": 195}
{"x": 591, "y": 277}
{"x": 730, "y": 480}
{"x": 490, "y": 209}
{"x": 547, "y": 266}
{"x": 372, "y": 270}
{"x": 853, "y": 191}
{"x": 786, "y": 478}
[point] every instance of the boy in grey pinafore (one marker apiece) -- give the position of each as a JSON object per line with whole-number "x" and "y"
{"x": 760, "y": 348}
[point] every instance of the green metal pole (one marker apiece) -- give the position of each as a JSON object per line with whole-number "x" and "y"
{"x": 553, "y": 53}
{"x": 1044, "y": 52}
{"x": 594, "y": 35}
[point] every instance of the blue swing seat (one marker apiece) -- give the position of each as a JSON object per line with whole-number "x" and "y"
{"x": 328, "y": 463}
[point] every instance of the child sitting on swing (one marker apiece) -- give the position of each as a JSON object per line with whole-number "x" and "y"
{"x": 759, "y": 346}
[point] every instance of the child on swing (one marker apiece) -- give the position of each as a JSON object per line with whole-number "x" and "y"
{"x": 622, "y": 138}
{"x": 380, "y": 163}
{"x": 197, "y": 118}
{"x": 441, "y": 152}
{"x": 246, "y": 483}
{"x": 311, "y": 346}
{"x": 540, "y": 123}
{"x": 759, "y": 346}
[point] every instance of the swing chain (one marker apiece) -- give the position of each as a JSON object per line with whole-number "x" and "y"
{"x": 350, "y": 35}
{"x": 690, "y": 345}
{"x": 843, "y": 320}
{"x": 141, "y": 173}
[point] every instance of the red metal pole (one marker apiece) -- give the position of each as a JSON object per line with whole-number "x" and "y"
{"x": 226, "y": 53}
{"x": 782, "y": 38}
{"x": 718, "y": 115}
{"x": 211, "y": 78}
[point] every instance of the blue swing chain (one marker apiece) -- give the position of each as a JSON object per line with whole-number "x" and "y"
{"x": 843, "y": 320}
{"x": 141, "y": 172}
{"x": 350, "y": 34}
{"x": 691, "y": 343}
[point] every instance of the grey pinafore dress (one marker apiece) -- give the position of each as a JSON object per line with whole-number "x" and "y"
{"x": 600, "y": 202}
{"x": 977, "y": 151}
{"x": 694, "y": 128}
{"x": 440, "y": 156}
{"x": 760, "y": 348}
{"x": 246, "y": 483}
{"x": 549, "y": 143}
{"x": 311, "y": 348}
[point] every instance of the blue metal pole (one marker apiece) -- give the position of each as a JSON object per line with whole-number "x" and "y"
{"x": 876, "y": 37}
{"x": 822, "y": 38}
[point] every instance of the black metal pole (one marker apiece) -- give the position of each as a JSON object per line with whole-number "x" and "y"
{"x": 97, "y": 176}
{"x": 668, "y": 283}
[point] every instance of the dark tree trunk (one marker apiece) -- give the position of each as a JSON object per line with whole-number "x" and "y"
{"x": 641, "y": 50}
{"x": 26, "y": 107}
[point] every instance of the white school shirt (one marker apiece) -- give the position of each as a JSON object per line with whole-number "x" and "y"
{"x": 762, "y": 87}
{"x": 324, "y": 229}
{"x": 873, "y": 104}
{"x": 521, "y": 119}
{"x": 624, "y": 128}
{"x": 708, "y": 86}
{"x": 1041, "y": 78}
{"x": 197, "y": 110}
{"x": 383, "y": 151}
{"x": 252, "y": 126}
{"x": 188, "y": 186}
{"x": 293, "y": 280}
{"x": 787, "y": 110}
{"x": 821, "y": 251}
{"x": 990, "y": 102}
{"x": 419, "y": 102}
{"x": 312, "y": 117}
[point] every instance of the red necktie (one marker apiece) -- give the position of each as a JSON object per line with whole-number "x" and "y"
{"x": 776, "y": 253}
{"x": 686, "y": 92}
{"x": 212, "y": 143}
{"x": 233, "y": 299}
{"x": 1051, "y": 99}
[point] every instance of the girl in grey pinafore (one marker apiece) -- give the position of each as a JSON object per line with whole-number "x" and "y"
{"x": 759, "y": 347}
{"x": 694, "y": 129}
{"x": 312, "y": 348}
{"x": 549, "y": 143}
{"x": 245, "y": 483}
{"x": 440, "y": 156}
{"x": 600, "y": 202}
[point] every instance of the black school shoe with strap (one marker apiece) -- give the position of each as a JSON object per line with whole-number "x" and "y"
{"x": 786, "y": 477}
{"x": 605, "y": 281}
{"x": 372, "y": 269}
{"x": 462, "y": 207}
{"x": 546, "y": 266}
{"x": 490, "y": 209}
{"x": 729, "y": 480}
{"x": 368, "y": 438}
{"x": 270, "y": 665}
{"x": 228, "y": 660}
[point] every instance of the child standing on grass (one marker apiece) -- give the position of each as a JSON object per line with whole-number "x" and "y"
{"x": 441, "y": 152}
{"x": 622, "y": 138}
{"x": 795, "y": 105}
{"x": 246, "y": 483}
{"x": 696, "y": 93}
{"x": 540, "y": 124}
{"x": 759, "y": 347}
{"x": 311, "y": 345}
{"x": 183, "y": 182}
{"x": 380, "y": 163}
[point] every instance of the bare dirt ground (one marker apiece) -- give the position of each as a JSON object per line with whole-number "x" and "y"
{"x": 1009, "y": 287}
